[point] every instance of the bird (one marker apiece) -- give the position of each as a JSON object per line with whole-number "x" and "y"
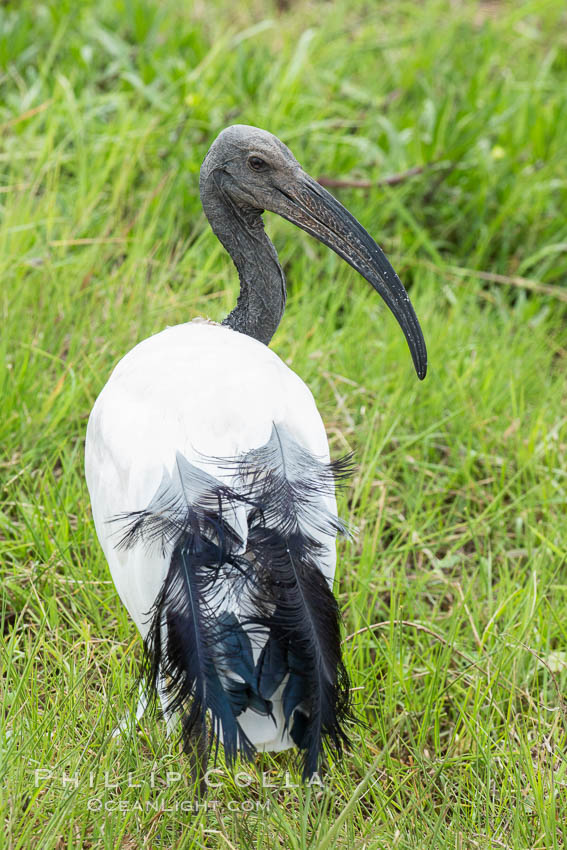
{"x": 213, "y": 492}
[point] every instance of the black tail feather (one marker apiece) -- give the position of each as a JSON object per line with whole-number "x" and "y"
{"x": 292, "y": 599}
{"x": 193, "y": 650}
{"x": 198, "y": 648}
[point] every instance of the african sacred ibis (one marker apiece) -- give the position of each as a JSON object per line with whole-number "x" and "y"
{"x": 211, "y": 486}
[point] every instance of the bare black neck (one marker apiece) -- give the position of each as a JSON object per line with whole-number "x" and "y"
{"x": 261, "y": 302}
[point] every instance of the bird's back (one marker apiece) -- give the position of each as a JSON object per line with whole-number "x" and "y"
{"x": 213, "y": 498}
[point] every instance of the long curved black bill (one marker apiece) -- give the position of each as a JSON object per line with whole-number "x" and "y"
{"x": 308, "y": 205}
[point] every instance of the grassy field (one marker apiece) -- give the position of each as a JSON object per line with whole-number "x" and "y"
{"x": 454, "y": 591}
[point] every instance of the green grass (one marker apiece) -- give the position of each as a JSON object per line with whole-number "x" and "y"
{"x": 456, "y": 583}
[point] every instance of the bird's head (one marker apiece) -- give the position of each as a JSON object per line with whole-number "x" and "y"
{"x": 253, "y": 171}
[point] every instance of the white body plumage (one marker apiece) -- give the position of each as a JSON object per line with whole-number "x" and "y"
{"x": 205, "y": 391}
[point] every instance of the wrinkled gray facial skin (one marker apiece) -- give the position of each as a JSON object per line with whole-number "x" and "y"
{"x": 247, "y": 171}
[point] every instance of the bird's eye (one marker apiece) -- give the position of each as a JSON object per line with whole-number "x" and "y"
{"x": 256, "y": 163}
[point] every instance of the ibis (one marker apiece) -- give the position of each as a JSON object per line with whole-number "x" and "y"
{"x": 212, "y": 488}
